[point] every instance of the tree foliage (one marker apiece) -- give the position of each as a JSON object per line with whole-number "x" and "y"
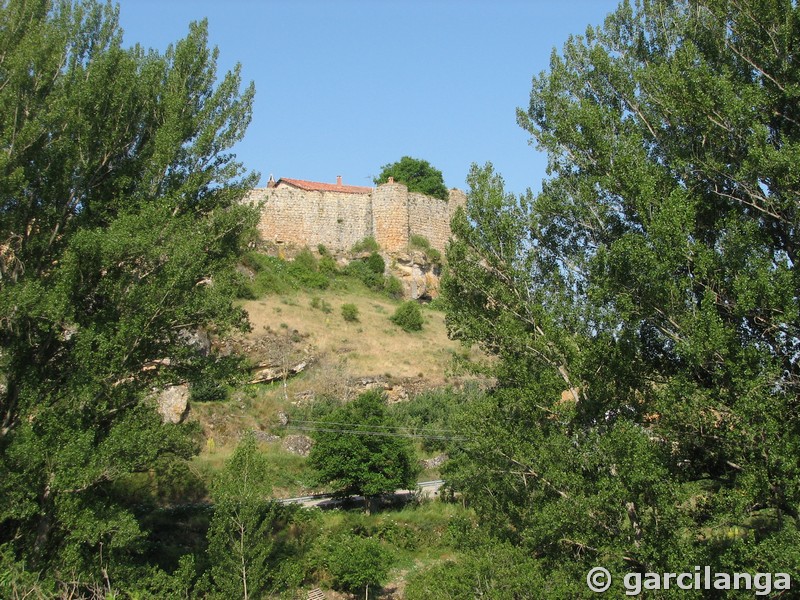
{"x": 357, "y": 563}
{"x": 119, "y": 230}
{"x": 355, "y": 452}
{"x": 644, "y": 304}
{"x": 418, "y": 175}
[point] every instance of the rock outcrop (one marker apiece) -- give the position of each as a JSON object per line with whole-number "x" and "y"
{"x": 419, "y": 276}
{"x": 173, "y": 403}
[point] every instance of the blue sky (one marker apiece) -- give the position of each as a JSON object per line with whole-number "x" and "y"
{"x": 345, "y": 87}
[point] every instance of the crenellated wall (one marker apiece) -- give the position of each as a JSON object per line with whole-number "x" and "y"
{"x": 340, "y": 219}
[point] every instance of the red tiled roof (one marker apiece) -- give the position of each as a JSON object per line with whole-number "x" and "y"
{"x": 315, "y": 186}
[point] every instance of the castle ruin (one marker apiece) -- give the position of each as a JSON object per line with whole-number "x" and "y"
{"x": 307, "y": 213}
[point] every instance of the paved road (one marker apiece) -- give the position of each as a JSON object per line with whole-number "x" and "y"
{"x": 428, "y": 489}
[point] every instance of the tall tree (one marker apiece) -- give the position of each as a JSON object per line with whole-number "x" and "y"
{"x": 119, "y": 230}
{"x": 644, "y": 304}
{"x": 417, "y": 174}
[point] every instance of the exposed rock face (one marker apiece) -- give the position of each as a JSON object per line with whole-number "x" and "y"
{"x": 395, "y": 390}
{"x": 197, "y": 339}
{"x": 298, "y": 444}
{"x": 267, "y": 374}
{"x": 420, "y": 277}
{"x": 436, "y": 461}
{"x": 173, "y": 403}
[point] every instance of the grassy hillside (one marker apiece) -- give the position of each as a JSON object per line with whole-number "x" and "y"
{"x": 298, "y": 318}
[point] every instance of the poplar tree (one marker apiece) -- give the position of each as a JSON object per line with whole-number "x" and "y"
{"x": 644, "y": 305}
{"x": 240, "y": 535}
{"x": 119, "y": 231}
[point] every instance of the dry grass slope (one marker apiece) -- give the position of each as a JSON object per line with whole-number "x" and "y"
{"x": 343, "y": 352}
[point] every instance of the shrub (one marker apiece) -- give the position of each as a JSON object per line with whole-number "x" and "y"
{"x": 408, "y": 316}
{"x": 305, "y": 270}
{"x": 434, "y": 256}
{"x": 419, "y": 241}
{"x": 321, "y": 304}
{"x": 368, "y": 244}
{"x": 350, "y": 313}
{"x": 393, "y": 287}
{"x": 361, "y": 271}
{"x": 305, "y": 260}
{"x": 376, "y": 263}
{"x": 277, "y": 276}
{"x": 327, "y": 265}
{"x": 434, "y": 410}
{"x": 207, "y": 390}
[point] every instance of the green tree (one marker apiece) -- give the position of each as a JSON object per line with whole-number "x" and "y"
{"x": 644, "y": 305}
{"x": 357, "y": 564}
{"x": 495, "y": 571}
{"x": 356, "y": 451}
{"x": 418, "y": 175}
{"x": 239, "y": 538}
{"x": 119, "y": 231}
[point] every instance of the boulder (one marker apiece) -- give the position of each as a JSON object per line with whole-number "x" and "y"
{"x": 196, "y": 339}
{"x": 173, "y": 403}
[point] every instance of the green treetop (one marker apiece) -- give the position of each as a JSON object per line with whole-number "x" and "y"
{"x": 356, "y": 453}
{"x": 418, "y": 175}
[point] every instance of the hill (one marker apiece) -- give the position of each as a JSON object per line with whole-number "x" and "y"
{"x": 302, "y": 350}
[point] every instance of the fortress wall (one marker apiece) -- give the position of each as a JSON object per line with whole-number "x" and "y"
{"x": 339, "y": 220}
{"x": 390, "y": 216}
{"x": 457, "y": 198}
{"x": 308, "y": 218}
{"x": 430, "y": 218}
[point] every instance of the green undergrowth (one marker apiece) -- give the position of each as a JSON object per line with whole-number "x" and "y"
{"x": 274, "y": 275}
{"x": 411, "y": 538}
{"x": 419, "y": 242}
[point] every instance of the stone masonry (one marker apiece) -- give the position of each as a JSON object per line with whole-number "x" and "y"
{"x": 307, "y": 213}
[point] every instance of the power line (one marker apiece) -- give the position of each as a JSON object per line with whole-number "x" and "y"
{"x": 317, "y": 422}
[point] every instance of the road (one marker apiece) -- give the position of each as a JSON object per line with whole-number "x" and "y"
{"x": 427, "y": 489}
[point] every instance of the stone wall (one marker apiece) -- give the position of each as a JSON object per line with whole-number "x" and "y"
{"x": 308, "y": 218}
{"x": 430, "y": 217}
{"x": 339, "y": 220}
